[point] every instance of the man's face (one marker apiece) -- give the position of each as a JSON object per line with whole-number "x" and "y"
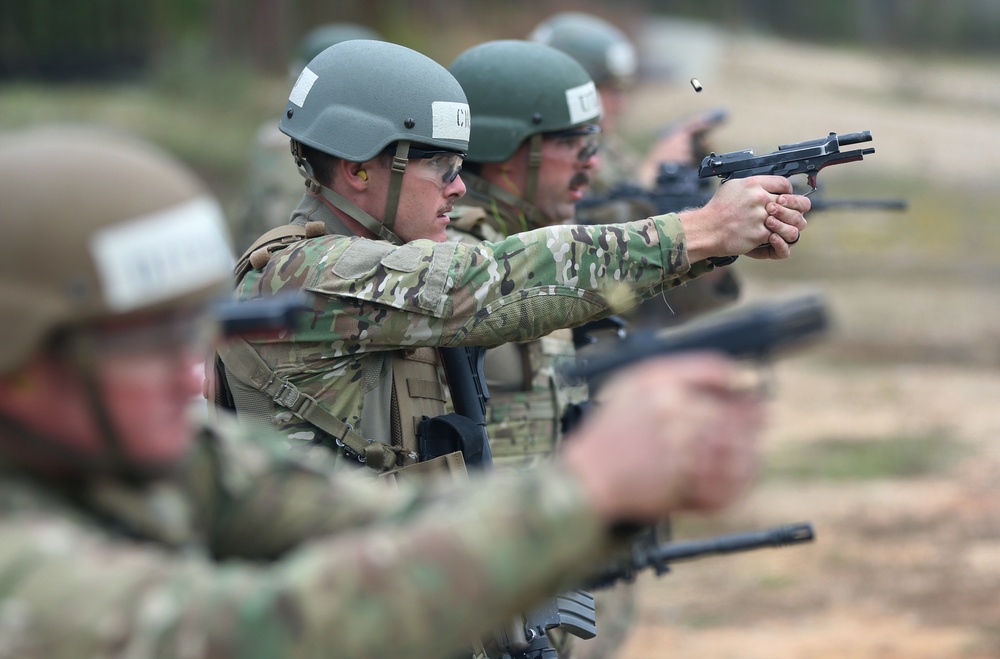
{"x": 567, "y": 160}
{"x": 150, "y": 373}
{"x": 147, "y": 378}
{"x": 431, "y": 185}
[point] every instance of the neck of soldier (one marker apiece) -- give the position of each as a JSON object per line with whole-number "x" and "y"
{"x": 497, "y": 194}
{"x": 355, "y": 227}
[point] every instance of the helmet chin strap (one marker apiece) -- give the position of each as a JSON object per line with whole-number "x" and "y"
{"x": 396, "y": 183}
{"x": 534, "y": 165}
{"x": 44, "y": 451}
{"x": 479, "y": 188}
{"x": 381, "y": 229}
{"x": 82, "y": 357}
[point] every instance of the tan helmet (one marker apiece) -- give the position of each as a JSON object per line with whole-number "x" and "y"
{"x": 95, "y": 226}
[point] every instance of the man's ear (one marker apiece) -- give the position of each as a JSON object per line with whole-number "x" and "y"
{"x": 354, "y": 174}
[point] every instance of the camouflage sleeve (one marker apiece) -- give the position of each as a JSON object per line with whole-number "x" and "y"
{"x": 432, "y": 573}
{"x": 523, "y": 287}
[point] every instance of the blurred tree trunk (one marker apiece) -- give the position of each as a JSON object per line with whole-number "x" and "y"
{"x": 269, "y": 49}
{"x": 222, "y": 35}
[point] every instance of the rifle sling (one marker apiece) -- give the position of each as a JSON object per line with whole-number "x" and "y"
{"x": 247, "y": 366}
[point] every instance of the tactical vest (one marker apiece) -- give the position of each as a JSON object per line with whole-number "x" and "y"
{"x": 527, "y": 398}
{"x": 400, "y": 390}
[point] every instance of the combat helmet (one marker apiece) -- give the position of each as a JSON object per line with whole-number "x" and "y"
{"x": 357, "y": 98}
{"x": 603, "y": 50}
{"x": 522, "y": 90}
{"x": 96, "y": 226}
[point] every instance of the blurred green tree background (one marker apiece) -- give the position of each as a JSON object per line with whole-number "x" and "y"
{"x": 199, "y": 76}
{"x": 101, "y": 39}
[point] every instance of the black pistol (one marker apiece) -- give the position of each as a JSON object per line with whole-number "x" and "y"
{"x": 807, "y": 158}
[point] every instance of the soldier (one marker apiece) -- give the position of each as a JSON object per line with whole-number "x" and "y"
{"x": 122, "y": 533}
{"x": 610, "y": 59}
{"x": 381, "y": 131}
{"x": 531, "y": 155}
{"x": 273, "y": 185}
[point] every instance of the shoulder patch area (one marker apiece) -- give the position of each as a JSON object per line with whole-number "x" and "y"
{"x": 404, "y": 259}
{"x": 361, "y": 257}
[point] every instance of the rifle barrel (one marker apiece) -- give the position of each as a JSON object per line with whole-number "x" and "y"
{"x": 777, "y": 536}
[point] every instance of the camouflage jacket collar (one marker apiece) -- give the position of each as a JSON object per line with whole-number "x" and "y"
{"x": 505, "y": 212}
{"x": 313, "y": 209}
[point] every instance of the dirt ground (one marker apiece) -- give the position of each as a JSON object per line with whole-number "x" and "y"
{"x": 906, "y": 562}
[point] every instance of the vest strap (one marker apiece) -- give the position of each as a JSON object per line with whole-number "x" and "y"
{"x": 247, "y": 366}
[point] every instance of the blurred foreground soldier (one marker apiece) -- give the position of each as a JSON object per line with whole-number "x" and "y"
{"x": 273, "y": 185}
{"x": 122, "y": 533}
{"x": 610, "y": 59}
{"x": 380, "y": 132}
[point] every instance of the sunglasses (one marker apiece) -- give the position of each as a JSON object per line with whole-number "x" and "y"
{"x": 584, "y": 141}
{"x": 437, "y": 164}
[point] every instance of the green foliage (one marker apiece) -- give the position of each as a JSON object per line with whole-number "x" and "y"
{"x": 850, "y": 459}
{"x": 957, "y": 26}
{"x": 208, "y": 118}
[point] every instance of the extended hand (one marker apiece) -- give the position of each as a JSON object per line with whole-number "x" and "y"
{"x": 672, "y": 433}
{"x": 757, "y": 216}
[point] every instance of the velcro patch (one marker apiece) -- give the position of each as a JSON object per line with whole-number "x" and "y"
{"x": 584, "y": 103}
{"x": 162, "y": 255}
{"x": 360, "y": 257}
{"x": 303, "y": 85}
{"x": 403, "y": 259}
{"x": 451, "y": 121}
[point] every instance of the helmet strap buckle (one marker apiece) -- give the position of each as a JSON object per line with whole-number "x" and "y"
{"x": 305, "y": 169}
{"x": 399, "y": 161}
{"x": 534, "y": 164}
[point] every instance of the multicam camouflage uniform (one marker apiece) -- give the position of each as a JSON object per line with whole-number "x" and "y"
{"x": 527, "y": 404}
{"x": 527, "y": 397}
{"x": 236, "y": 548}
{"x": 374, "y": 300}
{"x": 248, "y": 553}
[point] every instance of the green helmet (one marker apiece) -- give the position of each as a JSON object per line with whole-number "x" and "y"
{"x": 518, "y": 89}
{"x": 320, "y": 38}
{"x": 599, "y": 46}
{"x": 98, "y": 226}
{"x": 356, "y": 98}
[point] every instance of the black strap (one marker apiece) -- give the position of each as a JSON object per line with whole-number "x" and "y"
{"x": 441, "y": 435}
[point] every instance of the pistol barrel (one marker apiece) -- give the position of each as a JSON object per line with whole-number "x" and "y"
{"x": 855, "y": 138}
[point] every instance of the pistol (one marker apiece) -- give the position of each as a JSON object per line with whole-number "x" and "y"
{"x": 753, "y": 332}
{"x": 807, "y": 158}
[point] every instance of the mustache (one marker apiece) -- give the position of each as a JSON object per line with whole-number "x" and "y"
{"x": 579, "y": 179}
